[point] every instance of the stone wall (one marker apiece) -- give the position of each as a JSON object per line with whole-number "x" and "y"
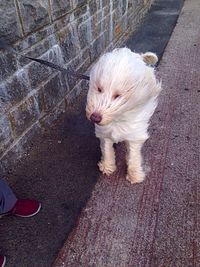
{"x": 68, "y": 32}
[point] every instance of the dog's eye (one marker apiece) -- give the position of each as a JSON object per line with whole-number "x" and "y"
{"x": 99, "y": 90}
{"x": 116, "y": 96}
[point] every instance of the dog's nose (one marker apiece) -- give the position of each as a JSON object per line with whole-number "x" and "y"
{"x": 96, "y": 117}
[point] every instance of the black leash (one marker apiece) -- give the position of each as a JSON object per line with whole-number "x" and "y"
{"x": 4, "y": 45}
{"x": 57, "y": 67}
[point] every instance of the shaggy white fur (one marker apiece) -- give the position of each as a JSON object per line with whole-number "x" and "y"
{"x": 121, "y": 99}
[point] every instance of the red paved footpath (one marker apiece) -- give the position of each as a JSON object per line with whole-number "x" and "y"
{"x": 156, "y": 223}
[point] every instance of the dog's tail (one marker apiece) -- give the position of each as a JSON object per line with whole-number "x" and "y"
{"x": 149, "y": 58}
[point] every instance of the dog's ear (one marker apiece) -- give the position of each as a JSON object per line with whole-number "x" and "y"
{"x": 149, "y": 58}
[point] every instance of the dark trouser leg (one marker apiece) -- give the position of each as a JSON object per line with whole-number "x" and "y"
{"x": 7, "y": 197}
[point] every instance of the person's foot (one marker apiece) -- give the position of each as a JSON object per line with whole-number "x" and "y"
{"x": 2, "y": 261}
{"x": 25, "y": 208}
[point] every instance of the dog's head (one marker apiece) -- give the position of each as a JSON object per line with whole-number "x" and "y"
{"x": 119, "y": 81}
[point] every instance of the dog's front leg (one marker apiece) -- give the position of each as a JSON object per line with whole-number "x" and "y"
{"x": 107, "y": 164}
{"x": 134, "y": 162}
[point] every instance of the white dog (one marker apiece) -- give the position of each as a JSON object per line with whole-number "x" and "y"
{"x": 121, "y": 99}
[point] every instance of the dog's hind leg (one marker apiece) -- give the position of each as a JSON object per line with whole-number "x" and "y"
{"x": 107, "y": 164}
{"x": 134, "y": 161}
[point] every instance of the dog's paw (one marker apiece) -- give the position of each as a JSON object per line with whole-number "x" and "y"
{"x": 107, "y": 169}
{"x": 135, "y": 177}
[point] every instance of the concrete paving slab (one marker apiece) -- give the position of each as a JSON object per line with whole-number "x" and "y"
{"x": 155, "y": 223}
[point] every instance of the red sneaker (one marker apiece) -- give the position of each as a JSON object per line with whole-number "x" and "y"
{"x": 2, "y": 261}
{"x": 25, "y": 208}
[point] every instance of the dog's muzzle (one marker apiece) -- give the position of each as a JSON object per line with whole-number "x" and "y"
{"x": 96, "y": 117}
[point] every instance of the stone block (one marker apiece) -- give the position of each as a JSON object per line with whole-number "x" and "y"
{"x": 106, "y": 10}
{"x": 106, "y": 23}
{"x": 106, "y": 37}
{"x": 23, "y": 116}
{"x": 78, "y": 3}
{"x": 106, "y": 3}
{"x": 115, "y": 4}
{"x": 5, "y": 133}
{"x": 34, "y": 38}
{"x": 43, "y": 33}
{"x": 118, "y": 31}
{"x": 4, "y": 100}
{"x": 47, "y": 120}
{"x": 10, "y": 27}
{"x": 62, "y": 22}
{"x": 37, "y": 50}
{"x": 124, "y": 23}
{"x": 99, "y": 15}
{"x": 95, "y": 27}
{"x": 69, "y": 42}
{"x": 38, "y": 73}
{"x": 14, "y": 90}
{"x": 81, "y": 14}
{"x": 77, "y": 90}
{"x": 53, "y": 92}
{"x": 34, "y": 14}
{"x": 78, "y": 64}
{"x": 84, "y": 65}
{"x": 73, "y": 94}
{"x": 116, "y": 16}
{"x": 97, "y": 47}
{"x": 84, "y": 33}
{"x": 85, "y": 53}
{"x": 18, "y": 151}
{"x": 124, "y": 6}
{"x": 8, "y": 65}
{"x": 69, "y": 80}
{"x": 39, "y": 96}
{"x": 134, "y": 3}
{"x": 65, "y": 82}
{"x": 59, "y": 8}
{"x": 93, "y": 6}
